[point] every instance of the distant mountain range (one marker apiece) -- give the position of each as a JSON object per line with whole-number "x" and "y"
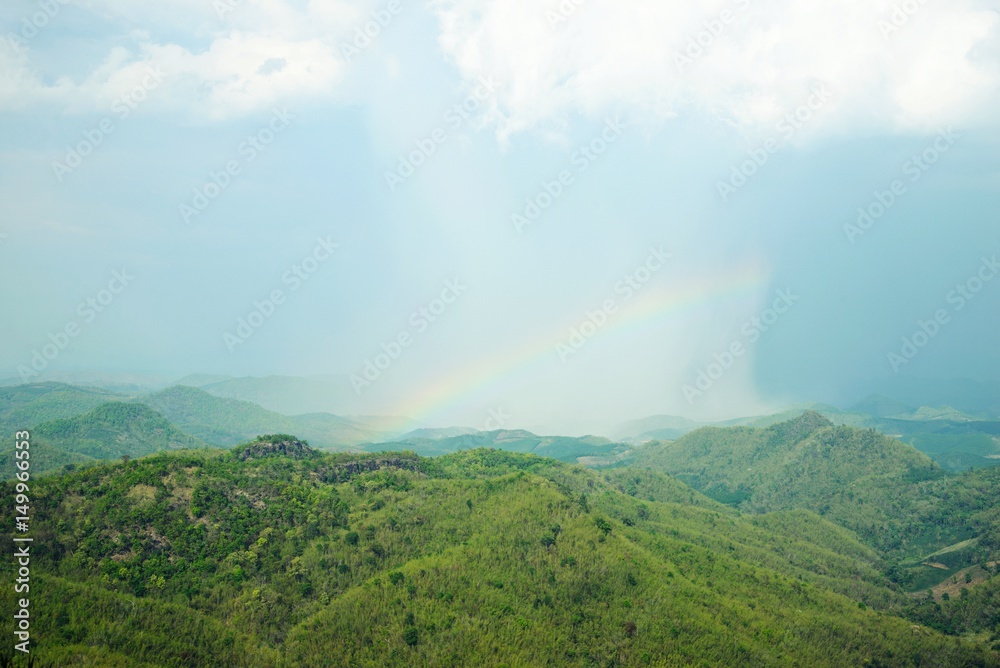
{"x": 110, "y": 431}
{"x": 223, "y": 421}
{"x": 81, "y": 425}
{"x": 978, "y": 398}
{"x": 954, "y": 439}
{"x": 835, "y": 546}
{"x": 562, "y": 448}
{"x": 793, "y": 514}
{"x": 290, "y": 395}
{"x": 219, "y": 413}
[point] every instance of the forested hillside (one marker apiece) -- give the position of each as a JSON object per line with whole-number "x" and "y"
{"x": 225, "y": 422}
{"x": 274, "y": 554}
{"x": 24, "y": 406}
{"x": 110, "y": 431}
{"x": 929, "y": 524}
{"x": 563, "y": 448}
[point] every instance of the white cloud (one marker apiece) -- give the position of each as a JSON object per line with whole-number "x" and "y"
{"x": 621, "y": 56}
{"x": 257, "y": 54}
{"x": 606, "y": 56}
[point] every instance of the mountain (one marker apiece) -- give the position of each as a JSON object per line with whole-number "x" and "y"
{"x": 110, "y": 431}
{"x": 119, "y": 383}
{"x": 24, "y": 406}
{"x": 214, "y": 420}
{"x": 115, "y": 429}
{"x": 978, "y": 398}
{"x": 289, "y": 395}
{"x": 230, "y": 421}
{"x": 894, "y": 498}
{"x": 437, "y": 434}
{"x": 955, "y": 440}
{"x": 758, "y": 467}
{"x": 659, "y": 427}
{"x": 667, "y": 427}
{"x": 274, "y": 554}
{"x": 879, "y": 406}
{"x": 562, "y": 448}
{"x": 45, "y": 459}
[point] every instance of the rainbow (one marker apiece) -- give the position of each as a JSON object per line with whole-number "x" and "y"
{"x": 650, "y": 308}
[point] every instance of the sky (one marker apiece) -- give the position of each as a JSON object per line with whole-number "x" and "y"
{"x": 572, "y": 211}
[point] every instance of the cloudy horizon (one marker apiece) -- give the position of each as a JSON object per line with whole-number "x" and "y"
{"x": 579, "y": 211}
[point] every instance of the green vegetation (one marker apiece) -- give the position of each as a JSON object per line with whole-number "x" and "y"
{"x": 275, "y": 554}
{"x": 24, "y": 406}
{"x": 113, "y": 430}
{"x": 226, "y": 422}
{"x": 44, "y": 459}
{"x": 562, "y": 448}
{"x": 796, "y": 543}
{"x": 860, "y": 479}
{"x": 110, "y": 431}
{"x": 956, "y": 441}
{"x": 926, "y": 525}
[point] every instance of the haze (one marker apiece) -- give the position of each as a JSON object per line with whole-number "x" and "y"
{"x": 566, "y": 214}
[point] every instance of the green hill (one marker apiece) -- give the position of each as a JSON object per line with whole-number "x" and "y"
{"x": 891, "y": 496}
{"x": 955, "y": 440}
{"x": 44, "y": 459}
{"x": 274, "y": 554}
{"x": 112, "y": 430}
{"x": 562, "y": 448}
{"x": 803, "y": 463}
{"x": 226, "y": 422}
{"x": 25, "y": 406}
